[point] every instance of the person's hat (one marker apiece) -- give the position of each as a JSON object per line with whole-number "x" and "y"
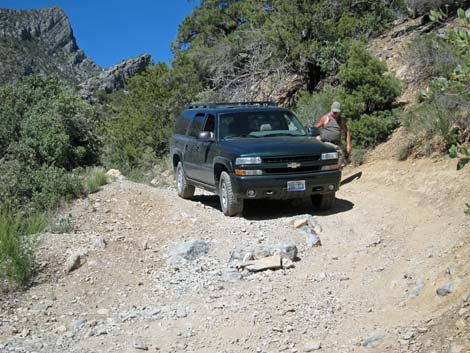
{"x": 336, "y": 107}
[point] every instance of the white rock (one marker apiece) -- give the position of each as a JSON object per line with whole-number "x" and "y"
{"x": 267, "y": 263}
{"x": 312, "y": 346}
{"x": 99, "y": 243}
{"x": 300, "y": 222}
{"x": 75, "y": 261}
{"x": 287, "y": 263}
{"x": 114, "y": 173}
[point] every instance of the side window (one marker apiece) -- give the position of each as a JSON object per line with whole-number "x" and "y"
{"x": 196, "y": 124}
{"x": 210, "y": 123}
{"x": 181, "y": 124}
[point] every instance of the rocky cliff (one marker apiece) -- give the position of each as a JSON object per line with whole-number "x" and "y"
{"x": 42, "y": 42}
{"x": 112, "y": 79}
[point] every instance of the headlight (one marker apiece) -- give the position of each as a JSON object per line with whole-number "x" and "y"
{"x": 330, "y": 155}
{"x": 248, "y": 160}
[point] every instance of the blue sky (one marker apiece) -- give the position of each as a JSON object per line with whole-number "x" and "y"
{"x": 113, "y": 30}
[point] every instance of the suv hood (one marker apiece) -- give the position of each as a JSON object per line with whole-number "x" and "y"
{"x": 276, "y": 146}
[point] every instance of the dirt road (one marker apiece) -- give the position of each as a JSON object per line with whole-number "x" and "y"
{"x": 396, "y": 235}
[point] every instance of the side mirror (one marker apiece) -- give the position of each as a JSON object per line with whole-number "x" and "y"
{"x": 206, "y": 136}
{"x": 313, "y": 131}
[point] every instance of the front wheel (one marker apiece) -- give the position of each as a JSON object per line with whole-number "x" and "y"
{"x": 230, "y": 204}
{"x": 324, "y": 202}
{"x": 184, "y": 189}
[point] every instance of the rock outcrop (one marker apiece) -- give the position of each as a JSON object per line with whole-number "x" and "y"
{"x": 41, "y": 42}
{"x": 112, "y": 79}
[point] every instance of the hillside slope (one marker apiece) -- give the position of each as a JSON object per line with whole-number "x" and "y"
{"x": 387, "y": 246}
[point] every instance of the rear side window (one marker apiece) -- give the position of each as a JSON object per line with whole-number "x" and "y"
{"x": 196, "y": 124}
{"x": 182, "y": 123}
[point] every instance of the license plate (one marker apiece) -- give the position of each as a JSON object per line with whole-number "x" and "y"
{"x": 297, "y": 185}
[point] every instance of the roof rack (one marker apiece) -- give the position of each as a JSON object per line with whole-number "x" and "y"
{"x": 229, "y": 105}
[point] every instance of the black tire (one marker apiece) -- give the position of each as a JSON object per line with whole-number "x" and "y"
{"x": 324, "y": 202}
{"x": 184, "y": 189}
{"x": 229, "y": 203}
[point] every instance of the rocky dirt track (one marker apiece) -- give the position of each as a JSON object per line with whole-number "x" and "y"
{"x": 387, "y": 246}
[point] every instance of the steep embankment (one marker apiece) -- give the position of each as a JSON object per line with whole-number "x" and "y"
{"x": 387, "y": 246}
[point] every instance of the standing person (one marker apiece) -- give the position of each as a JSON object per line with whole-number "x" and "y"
{"x": 330, "y": 126}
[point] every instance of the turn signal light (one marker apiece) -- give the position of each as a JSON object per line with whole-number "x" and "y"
{"x": 250, "y": 172}
{"x": 330, "y": 167}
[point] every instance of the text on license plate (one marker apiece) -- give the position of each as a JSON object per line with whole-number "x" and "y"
{"x": 296, "y": 185}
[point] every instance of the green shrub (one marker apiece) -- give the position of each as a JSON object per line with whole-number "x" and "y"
{"x": 311, "y": 106}
{"x": 16, "y": 246}
{"x": 137, "y": 135}
{"x": 442, "y": 115}
{"x": 43, "y": 141}
{"x": 94, "y": 178}
{"x": 370, "y": 130}
{"x": 366, "y": 87}
{"x": 430, "y": 57}
{"x": 43, "y": 122}
{"x": 29, "y": 189}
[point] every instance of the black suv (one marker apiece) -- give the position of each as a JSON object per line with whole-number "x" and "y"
{"x": 251, "y": 151}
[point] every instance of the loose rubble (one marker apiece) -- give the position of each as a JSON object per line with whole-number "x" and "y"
{"x": 149, "y": 271}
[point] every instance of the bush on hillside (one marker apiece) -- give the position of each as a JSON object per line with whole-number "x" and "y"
{"x": 46, "y": 131}
{"x": 93, "y": 179}
{"x": 28, "y": 189}
{"x": 237, "y": 44}
{"x": 370, "y": 130}
{"x": 139, "y": 134}
{"x": 311, "y": 106}
{"x": 444, "y": 115}
{"x": 16, "y": 247}
{"x": 43, "y": 122}
{"x": 366, "y": 87}
{"x": 431, "y": 57}
{"x": 444, "y": 109}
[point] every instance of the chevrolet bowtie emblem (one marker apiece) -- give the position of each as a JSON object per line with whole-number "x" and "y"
{"x": 293, "y": 165}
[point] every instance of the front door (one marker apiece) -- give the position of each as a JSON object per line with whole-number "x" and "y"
{"x": 205, "y": 173}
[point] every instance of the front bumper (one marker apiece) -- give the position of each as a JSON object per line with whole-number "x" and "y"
{"x": 275, "y": 187}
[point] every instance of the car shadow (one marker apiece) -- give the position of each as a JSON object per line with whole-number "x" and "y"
{"x": 272, "y": 209}
{"x": 351, "y": 178}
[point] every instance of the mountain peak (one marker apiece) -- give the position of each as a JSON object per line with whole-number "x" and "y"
{"x": 41, "y": 41}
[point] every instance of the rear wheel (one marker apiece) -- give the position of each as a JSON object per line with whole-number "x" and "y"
{"x": 230, "y": 204}
{"x": 324, "y": 201}
{"x": 184, "y": 189}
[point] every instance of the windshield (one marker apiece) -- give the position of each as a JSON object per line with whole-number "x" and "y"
{"x": 259, "y": 124}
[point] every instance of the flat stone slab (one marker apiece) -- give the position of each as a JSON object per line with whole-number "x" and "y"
{"x": 266, "y": 263}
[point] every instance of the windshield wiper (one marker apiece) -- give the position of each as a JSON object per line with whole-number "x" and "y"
{"x": 234, "y": 137}
{"x": 282, "y": 134}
